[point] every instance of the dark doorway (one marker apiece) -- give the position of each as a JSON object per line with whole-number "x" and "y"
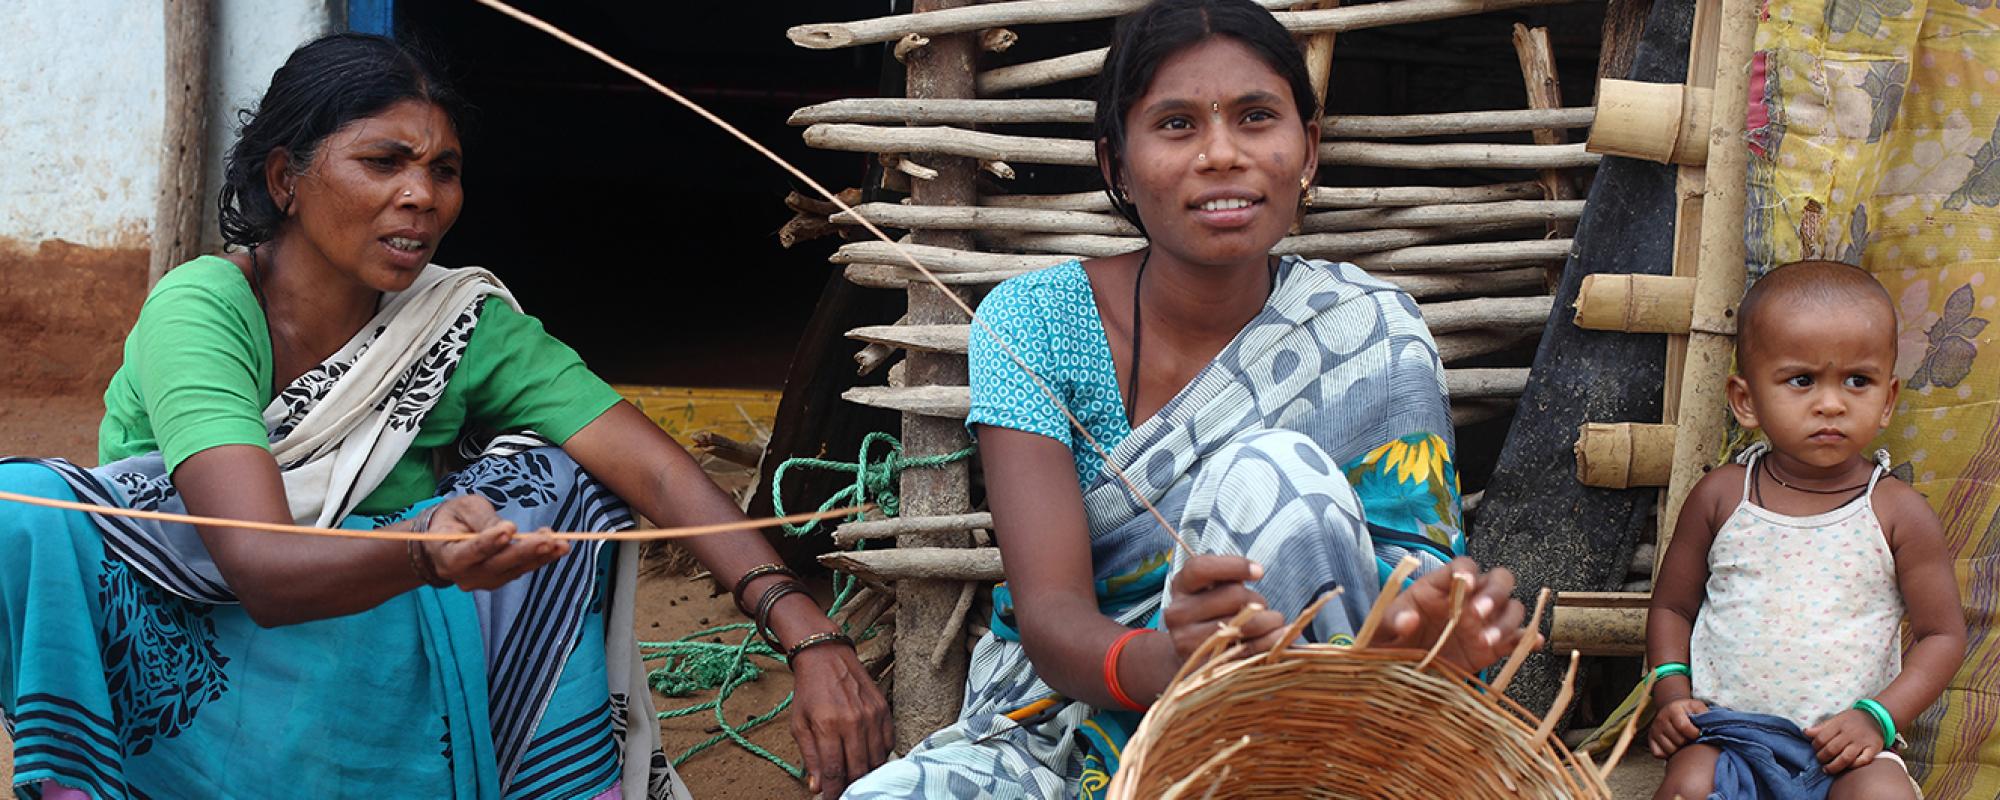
{"x": 639, "y": 233}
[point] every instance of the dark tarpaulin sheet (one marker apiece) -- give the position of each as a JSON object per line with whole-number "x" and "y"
{"x": 1536, "y": 518}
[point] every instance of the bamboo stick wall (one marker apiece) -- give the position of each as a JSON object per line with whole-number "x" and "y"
{"x": 1478, "y": 259}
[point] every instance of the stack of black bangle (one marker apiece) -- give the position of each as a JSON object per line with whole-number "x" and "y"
{"x": 762, "y": 613}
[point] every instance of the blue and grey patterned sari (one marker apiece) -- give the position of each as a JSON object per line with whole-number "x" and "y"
{"x": 1317, "y": 443}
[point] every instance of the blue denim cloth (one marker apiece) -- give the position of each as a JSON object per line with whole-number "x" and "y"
{"x": 1763, "y": 758}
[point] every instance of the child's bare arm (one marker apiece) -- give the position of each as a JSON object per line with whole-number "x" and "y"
{"x": 1682, "y": 581}
{"x": 1930, "y": 596}
{"x": 1678, "y": 590}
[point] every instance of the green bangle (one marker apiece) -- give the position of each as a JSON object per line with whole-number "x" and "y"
{"x": 1882, "y": 718}
{"x": 1670, "y": 669}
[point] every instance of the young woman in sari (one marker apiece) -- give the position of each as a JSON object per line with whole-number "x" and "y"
{"x": 1287, "y": 416}
{"x": 316, "y": 375}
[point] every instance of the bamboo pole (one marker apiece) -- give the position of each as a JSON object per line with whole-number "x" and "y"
{"x": 925, "y": 700}
{"x": 1455, "y": 156}
{"x": 1082, "y": 153}
{"x": 1475, "y": 256}
{"x": 1351, "y": 197}
{"x": 955, "y": 402}
{"x": 178, "y": 202}
{"x": 1623, "y": 455}
{"x": 907, "y": 111}
{"x": 1335, "y": 20}
{"x": 1456, "y": 124}
{"x": 1487, "y": 314}
{"x": 1517, "y": 211}
{"x": 942, "y": 259}
{"x": 1350, "y": 245}
{"x": 1635, "y": 303}
{"x": 986, "y": 218}
{"x": 1666, "y": 123}
{"x": 1419, "y": 285}
{"x": 952, "y": 141}
{"x": 1719, "y": 279}
{"x": 965, "y": 19}
{"x": 1371, "y": 197}
{"x": 1080, "y": 244}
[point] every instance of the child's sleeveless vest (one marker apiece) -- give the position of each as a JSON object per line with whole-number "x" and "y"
{"x": 1802, "y": 613}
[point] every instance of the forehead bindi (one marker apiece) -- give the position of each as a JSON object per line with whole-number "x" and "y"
{"x": 1217, "y": 70}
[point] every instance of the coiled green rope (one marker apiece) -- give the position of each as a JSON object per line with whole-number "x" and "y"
{"x": 693, "y": 665}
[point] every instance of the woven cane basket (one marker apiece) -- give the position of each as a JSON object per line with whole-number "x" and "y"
{"x": 1331, "y": 721}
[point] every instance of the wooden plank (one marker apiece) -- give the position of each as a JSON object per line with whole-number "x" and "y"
{"x": 929, "y": 621}
{"x": 181, "y": 195}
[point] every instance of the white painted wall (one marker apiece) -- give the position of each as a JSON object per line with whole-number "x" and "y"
{"x": 253, "y": 38}
{"x": 80, "y": 119}
{"x": 81, "y": 107}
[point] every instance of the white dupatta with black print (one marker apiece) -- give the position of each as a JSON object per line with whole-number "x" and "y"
{"x": 340, "y": 428}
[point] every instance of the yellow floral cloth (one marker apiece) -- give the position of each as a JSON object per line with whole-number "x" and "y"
{"x": 1873, "y": 138}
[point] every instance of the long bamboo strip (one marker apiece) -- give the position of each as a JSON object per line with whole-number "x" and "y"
{"x": 1412, "y": 125}
{"x": 1082, "y": 244}
{"x": 907, "y": 111}
{"x": 847, "y": 535}
{"x": 956, "y": 401}
{"x": 1372, "y": 197}
{"x": 1719, "y": 280}
{"x": 987, "y": 218}
{"x": 1335, "y": 20}
{"x": 1362, "y": 219}
{"x": 1456, "y": 156}
{"x": 1083, "y": 153}
{"x": 952, "y": 141}
{"x": 1351, "y": 245}
{"x": 1357, "y": 197}
{"x": 1486, "y": 314}
{"x": 1474, "y": 256}
{"x": 876, "y": 275}
{"x": 942, "y": 259}
{"x": 830, "y": 35}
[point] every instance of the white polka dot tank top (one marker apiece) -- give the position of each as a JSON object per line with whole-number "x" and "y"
{"x": 1802, "y": 613}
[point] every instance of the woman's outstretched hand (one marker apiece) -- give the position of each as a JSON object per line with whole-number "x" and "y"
{"x": 1207, "y": 592}
{"x": 1487, "y": 630}
{"x": 494, "y": 557}
{"x": 839, "y": 718}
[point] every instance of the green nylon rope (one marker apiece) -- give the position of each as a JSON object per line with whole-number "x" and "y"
{"x": 692, "y": 665}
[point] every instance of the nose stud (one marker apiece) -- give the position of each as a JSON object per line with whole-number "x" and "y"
{"x": 1201, "y": 156}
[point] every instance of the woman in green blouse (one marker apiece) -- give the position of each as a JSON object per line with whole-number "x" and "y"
{"x": 319, "y": 374}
